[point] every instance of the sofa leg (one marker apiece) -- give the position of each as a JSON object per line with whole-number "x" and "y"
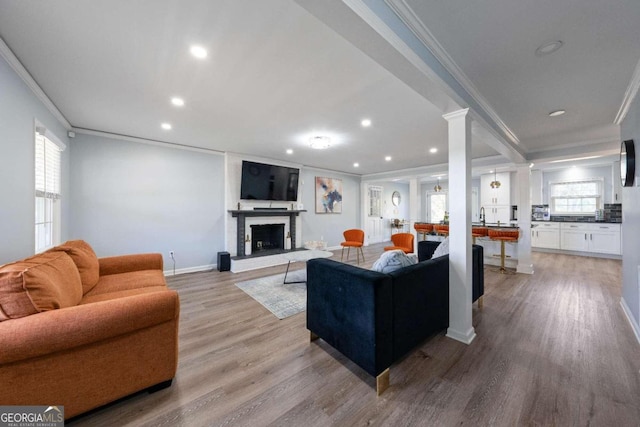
{"x": 480, "y": 301}
{"x": 312, "y": 336}
{"x": 160, "y": 386}
{"x": 382, "y": 382}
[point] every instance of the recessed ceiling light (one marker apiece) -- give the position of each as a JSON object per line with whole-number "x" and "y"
{"x": 320, "y": 142}
{"x": 178, "y": 102}
{"x": 548, "y": 48}
{"x": 289, "y": 151}
{"x": 166, "y": 126}
{"x": 365, "y": 123}
{"x": 198, "y": 51}
{"x": 355, "y": 165}
{"x": 556, "y": 113}
{"x": 433, "y": 150}
{"x": 491, "y": 171}
{"x": 388, "y": 158}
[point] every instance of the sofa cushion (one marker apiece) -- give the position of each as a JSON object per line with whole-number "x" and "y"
{"x": 85, "y": 259}
{"x": 442, "y": 249}
{"x": 46, "y": 281}
{"x": 125, "y": 281}
{"x": 393, "y": 260}
{"x": 88, "y": 299}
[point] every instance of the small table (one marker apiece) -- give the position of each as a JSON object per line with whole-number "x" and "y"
{"x": 303, "y": 256}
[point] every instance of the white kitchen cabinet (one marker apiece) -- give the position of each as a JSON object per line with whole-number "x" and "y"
{"x": 616, "y": 195}
{"x": 495, "y": 196}
{"x": 545, "y": 235}
{"x": 590, "y": 237}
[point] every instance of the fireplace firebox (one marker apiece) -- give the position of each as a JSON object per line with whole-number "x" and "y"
{"x": 267, "y": 237}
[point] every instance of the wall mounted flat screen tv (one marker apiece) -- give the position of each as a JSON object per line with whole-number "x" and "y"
{"x": 268, "y": 182}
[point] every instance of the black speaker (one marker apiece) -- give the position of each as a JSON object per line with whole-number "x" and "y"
{"x": 224, "y": 261}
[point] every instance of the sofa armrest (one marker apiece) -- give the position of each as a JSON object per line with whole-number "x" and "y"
{"x": 129, "y": 263}
{"x": 351, "y": 309}
{"x": 56, "y": 330}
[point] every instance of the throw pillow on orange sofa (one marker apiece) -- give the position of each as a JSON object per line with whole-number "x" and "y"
{"x": 85, "y": 259}
{"x": 46, "y": 281}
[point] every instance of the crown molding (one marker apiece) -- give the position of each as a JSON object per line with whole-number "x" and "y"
{"x": 408, "y": 16}
{"x": 128, "y": 138}
{"x": 21, "y": 71}
{"x": 629, "y": 95}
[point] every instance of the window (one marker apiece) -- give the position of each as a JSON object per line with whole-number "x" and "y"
{"x": 375, "y": 201}
{"x": 576, "y": 197}
{"x": 47, "y": 190}
{"x": 436, "y": 206}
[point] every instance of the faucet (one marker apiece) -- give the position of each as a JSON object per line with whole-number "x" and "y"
{"x": 482, "y": 217}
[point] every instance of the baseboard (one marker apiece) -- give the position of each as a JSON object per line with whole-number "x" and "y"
{"x": 632, "y": 321}
{"x": 577, "y": 253}
{"x": 190, "y": 269}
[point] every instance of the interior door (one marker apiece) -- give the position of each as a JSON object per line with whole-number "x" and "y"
{"x": 375, "y": 224}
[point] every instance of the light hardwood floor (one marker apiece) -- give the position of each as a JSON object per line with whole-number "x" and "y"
{"x": 553, "y": 348}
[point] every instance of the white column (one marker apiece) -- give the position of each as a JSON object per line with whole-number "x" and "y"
{"x": 364, "y": 211}
{"x": 460, "y": 265}
{"x": 414, "y": 205}
{"x": 525, "y": 261}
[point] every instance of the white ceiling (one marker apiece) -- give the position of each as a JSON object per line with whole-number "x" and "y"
{"x": 276, "y": 74}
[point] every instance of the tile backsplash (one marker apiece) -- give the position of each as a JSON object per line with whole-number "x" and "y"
{"x": 612, "y": 213}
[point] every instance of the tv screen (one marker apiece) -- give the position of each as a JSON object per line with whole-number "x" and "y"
{"x": 268, "y": 182}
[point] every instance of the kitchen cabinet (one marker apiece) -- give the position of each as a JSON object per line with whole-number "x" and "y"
{"x": 495, "y": 196}
{"x": 496, "y": 214}
{"x": 545, "y": 235}
{"x": 596, "y": 238}
{"x": 616, "y": 195}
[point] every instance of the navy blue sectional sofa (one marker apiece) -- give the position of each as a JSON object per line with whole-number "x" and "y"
{"x": 375, "y": 319}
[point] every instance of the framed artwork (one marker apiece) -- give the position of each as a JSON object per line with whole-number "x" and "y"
{"x": 328, "y": 195}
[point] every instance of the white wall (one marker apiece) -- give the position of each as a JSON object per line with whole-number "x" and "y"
{"x": 630, "y": 129}
{"x": 129, "y": 197}
{"x": 329, "y": 226}
{"x": 19, "y": 107}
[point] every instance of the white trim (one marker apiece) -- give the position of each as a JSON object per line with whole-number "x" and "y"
{"x": 629, "y": 95}
{"x": 462, "y": 336}
{"x": 146, "y": 141}
{"x": 198, "y": 268}
{"x": 634, "y": 324}
{"x": 22, "y": 72}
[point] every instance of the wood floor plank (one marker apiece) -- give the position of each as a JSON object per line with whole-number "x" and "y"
{"x": 552, "y": 348}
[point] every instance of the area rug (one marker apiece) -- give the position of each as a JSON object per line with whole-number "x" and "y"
{"x": 280, "y": 299}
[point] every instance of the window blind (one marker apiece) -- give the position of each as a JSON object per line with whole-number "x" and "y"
{"x": 47, "y": 168}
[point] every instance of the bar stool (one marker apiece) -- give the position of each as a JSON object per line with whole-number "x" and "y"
{"x": 441, "y": 229}
{"x": 478, "y": 232}
{"x": 503, "y": 236}
{"x": 423, "y": 228}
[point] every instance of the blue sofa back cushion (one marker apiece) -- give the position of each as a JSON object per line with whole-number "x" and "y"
{"x": 351, "y": 309}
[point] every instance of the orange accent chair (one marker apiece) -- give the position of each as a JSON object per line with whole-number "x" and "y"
{"x": 503, "y": 236}
{"x": 422, "y": 228}
{"x": 354, "y": 238}
{"x": 403, "y": 241}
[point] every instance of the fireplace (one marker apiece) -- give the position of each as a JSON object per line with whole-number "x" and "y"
{"x": 267, "y": 237}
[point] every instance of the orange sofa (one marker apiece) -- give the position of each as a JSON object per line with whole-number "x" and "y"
{"x": 82, "y": 331}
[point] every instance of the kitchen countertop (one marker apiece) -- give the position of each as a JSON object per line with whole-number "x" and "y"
{"x": 583, "y": 221}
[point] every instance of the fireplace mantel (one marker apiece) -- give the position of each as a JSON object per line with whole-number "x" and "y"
{"x": 243, "y": 214}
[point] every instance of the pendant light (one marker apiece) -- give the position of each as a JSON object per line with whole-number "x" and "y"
{"x": 437, "y": 187}
{"x": 495, "y": 183}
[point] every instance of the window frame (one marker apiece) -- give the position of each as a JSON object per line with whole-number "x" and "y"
{"x": 599, "y": 196}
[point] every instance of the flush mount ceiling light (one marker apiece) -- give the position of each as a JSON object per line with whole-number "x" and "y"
{"x": 388, "y": 158}
{"x": 365, "y": 123}
{"x": 556, "y": 113}
{"x": 320, "y": 142}
{"x": 198, "y": 51}
{"x": 495, "y": 183}
{"x": 166, "y": 126}
{"x": 178, "y": 102}
{"x": 549, "y": 47}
